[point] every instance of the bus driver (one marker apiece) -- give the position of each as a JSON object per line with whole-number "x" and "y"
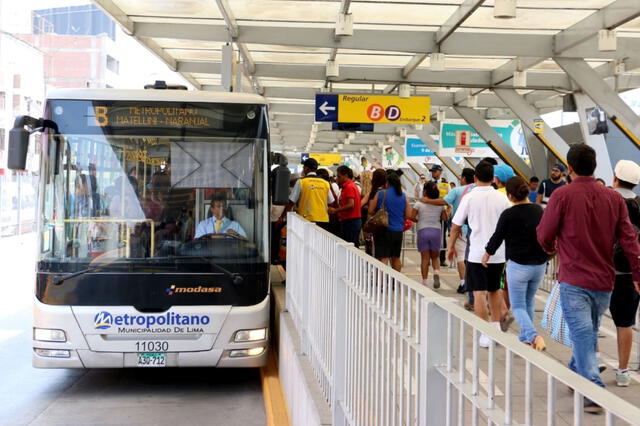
{"x": 218, "y": 223}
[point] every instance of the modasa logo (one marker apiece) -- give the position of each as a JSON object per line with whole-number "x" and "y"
{"x": 103, "y": 320}
{"x": 198, "y": 290}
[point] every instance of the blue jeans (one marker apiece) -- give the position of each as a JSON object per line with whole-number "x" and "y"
{"x": 582, "y": 311}
{"x": 524, "y": 281}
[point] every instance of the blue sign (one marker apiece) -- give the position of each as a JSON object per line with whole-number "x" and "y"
{"x": 326, "y": 107}
{"x": 416, "y": 148}
{"x": 303, "y": 157}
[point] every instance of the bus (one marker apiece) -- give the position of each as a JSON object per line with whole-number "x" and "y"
{"x": 153, "y": 233}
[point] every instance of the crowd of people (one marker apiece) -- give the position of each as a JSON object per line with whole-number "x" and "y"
{"x": 503, "y": 231}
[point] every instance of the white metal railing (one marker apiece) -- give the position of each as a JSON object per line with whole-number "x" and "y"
{"x": 387, "y": 351}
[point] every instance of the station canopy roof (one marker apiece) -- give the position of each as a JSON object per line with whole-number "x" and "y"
{"x": 283, "y": 47}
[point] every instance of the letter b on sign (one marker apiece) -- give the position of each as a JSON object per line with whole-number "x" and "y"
{"x": 392, "y": 113}
{"x": 375, "y": 112}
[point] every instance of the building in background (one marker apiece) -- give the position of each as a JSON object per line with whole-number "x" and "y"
{"x": 78, "y": 43}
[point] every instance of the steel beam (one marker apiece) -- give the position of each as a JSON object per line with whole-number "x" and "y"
{"x": 600, "y": 92}
{"x": 435, "y": 147}
{"x": 495, "y": 142}
{"x": 604, "y": 167}
{"x": 411, "y": 41}
{"x": 609, "y": 17}
{"x": 527, "y": 115}
{"x": 537, "y": 154}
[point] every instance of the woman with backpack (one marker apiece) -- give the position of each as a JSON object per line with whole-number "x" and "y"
{"x": 388, "y": 241}
{"x": 625, "y": 298}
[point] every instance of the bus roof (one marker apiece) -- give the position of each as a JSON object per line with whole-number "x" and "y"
{"x": 156, "y": 95}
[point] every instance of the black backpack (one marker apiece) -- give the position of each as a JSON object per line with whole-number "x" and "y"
{"x": 619, "y": 258}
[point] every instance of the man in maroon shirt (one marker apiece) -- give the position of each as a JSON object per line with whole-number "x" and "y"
{"x": 349, "y": 210}
{"x": 583, "y": 220}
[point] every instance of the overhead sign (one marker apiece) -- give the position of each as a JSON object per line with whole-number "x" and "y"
{"x": 417, "y": 152}
{"x": 327, "y": 159}
{"x": 454, "y": 144}
{"x": 346, "y": 108}
{"x": 303, "y": 157}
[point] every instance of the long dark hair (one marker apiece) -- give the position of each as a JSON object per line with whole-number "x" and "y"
{"x": 378, "y": 180}
{"x": 394, "y": 181}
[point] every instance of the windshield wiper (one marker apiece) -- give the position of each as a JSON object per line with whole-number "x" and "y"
{"x": 60, "y": 279}
{"x": 236, "y": 278}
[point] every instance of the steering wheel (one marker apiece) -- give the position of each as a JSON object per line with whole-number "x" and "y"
{"x": 213, "y": 236}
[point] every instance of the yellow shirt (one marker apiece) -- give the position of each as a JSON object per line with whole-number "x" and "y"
{"x": 443, "y": 187}
{"x": 312, "y": 205}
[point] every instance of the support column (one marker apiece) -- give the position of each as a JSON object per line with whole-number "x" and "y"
{"x": 604, "y": 168}
{"x": 597, "y": 89}
{"x": 537, "y": 154}
{"x": 227, "y": 65}
{"x": 433, "y": 146}
{"x": 494, "y": 141}
{"x": 528, "y": 115}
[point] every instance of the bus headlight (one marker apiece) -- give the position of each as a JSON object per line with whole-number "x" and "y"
{"x": 250, "y": 335}
{"x": 239, "y": 353}
{"x": 53, "y": 353}
{"x": 49, "y": 335}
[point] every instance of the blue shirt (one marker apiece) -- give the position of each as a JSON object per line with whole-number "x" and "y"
{"x": 533, "y": 195}
{"x": 208, "y": 226}
{"x": 395, "y": 205}
{"x": 453, "y": 199}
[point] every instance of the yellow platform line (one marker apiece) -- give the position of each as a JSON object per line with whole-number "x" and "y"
{"x": 274, "y": 404}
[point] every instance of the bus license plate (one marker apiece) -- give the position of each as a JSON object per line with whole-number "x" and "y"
{"x": 152, "y": 360}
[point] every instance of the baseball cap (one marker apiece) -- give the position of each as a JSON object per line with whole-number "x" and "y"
{"x": 435, "y": 168}
{"x": 628, "y": 171}
{"x": 560, "y": 167}
{"x": 503, "y": 172}
{"x": 310, "y": 163}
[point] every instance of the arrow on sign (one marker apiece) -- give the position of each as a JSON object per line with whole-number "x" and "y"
{"x": 325, "y": 107}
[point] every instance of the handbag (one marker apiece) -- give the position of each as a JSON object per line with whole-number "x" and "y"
{"x": 553, "y": 319}
{"x": 379, "y": 220}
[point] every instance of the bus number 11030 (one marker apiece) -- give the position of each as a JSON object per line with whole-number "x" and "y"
{"x": 153, "y": 346}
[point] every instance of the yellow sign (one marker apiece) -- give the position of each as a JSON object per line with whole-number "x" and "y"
{"x": 383, "y": 109}
{"x": 150, "y": 116}
{"x": 538, "y": 126}
{"x": 326, "y": 159}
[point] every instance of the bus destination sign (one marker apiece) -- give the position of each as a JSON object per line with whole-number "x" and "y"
{"x": 150, "y": 116}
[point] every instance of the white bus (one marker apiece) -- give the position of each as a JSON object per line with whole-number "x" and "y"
{"x": 153, "y": 229}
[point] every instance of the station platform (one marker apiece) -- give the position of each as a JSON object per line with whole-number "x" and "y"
{"x": 607, "y": 344}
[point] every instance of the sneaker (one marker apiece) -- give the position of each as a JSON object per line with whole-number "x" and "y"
{"x": 592, "y": 407}
{"x": 436, "y": 281}
{"x": 468, "y": 306}
{"x": 538, "y": 344}
{"x": 601, "y": 365}
{"x": 424, "y": 282}
{"x": 506, "y": 322}
{"x": 461, "y": 289}
{"x": 623, "y": 378}
{"x": 484, "y": 341}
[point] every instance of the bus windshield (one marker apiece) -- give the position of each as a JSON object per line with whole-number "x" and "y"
{"x": 142, "y": 195}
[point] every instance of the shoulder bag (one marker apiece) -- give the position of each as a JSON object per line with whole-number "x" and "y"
{"x": 379, "y": 220}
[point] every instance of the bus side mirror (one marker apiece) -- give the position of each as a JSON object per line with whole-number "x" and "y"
{"x": 281, "y": 178}
{"x": 18, "y": 148}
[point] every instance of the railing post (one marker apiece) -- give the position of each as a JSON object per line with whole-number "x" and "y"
{"x": 432, "y": 385}
{"x": 340, "y": 336}
{"x": 304, "y": 276}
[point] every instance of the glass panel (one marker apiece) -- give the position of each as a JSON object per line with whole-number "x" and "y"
{"x": 147, "y": 197}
